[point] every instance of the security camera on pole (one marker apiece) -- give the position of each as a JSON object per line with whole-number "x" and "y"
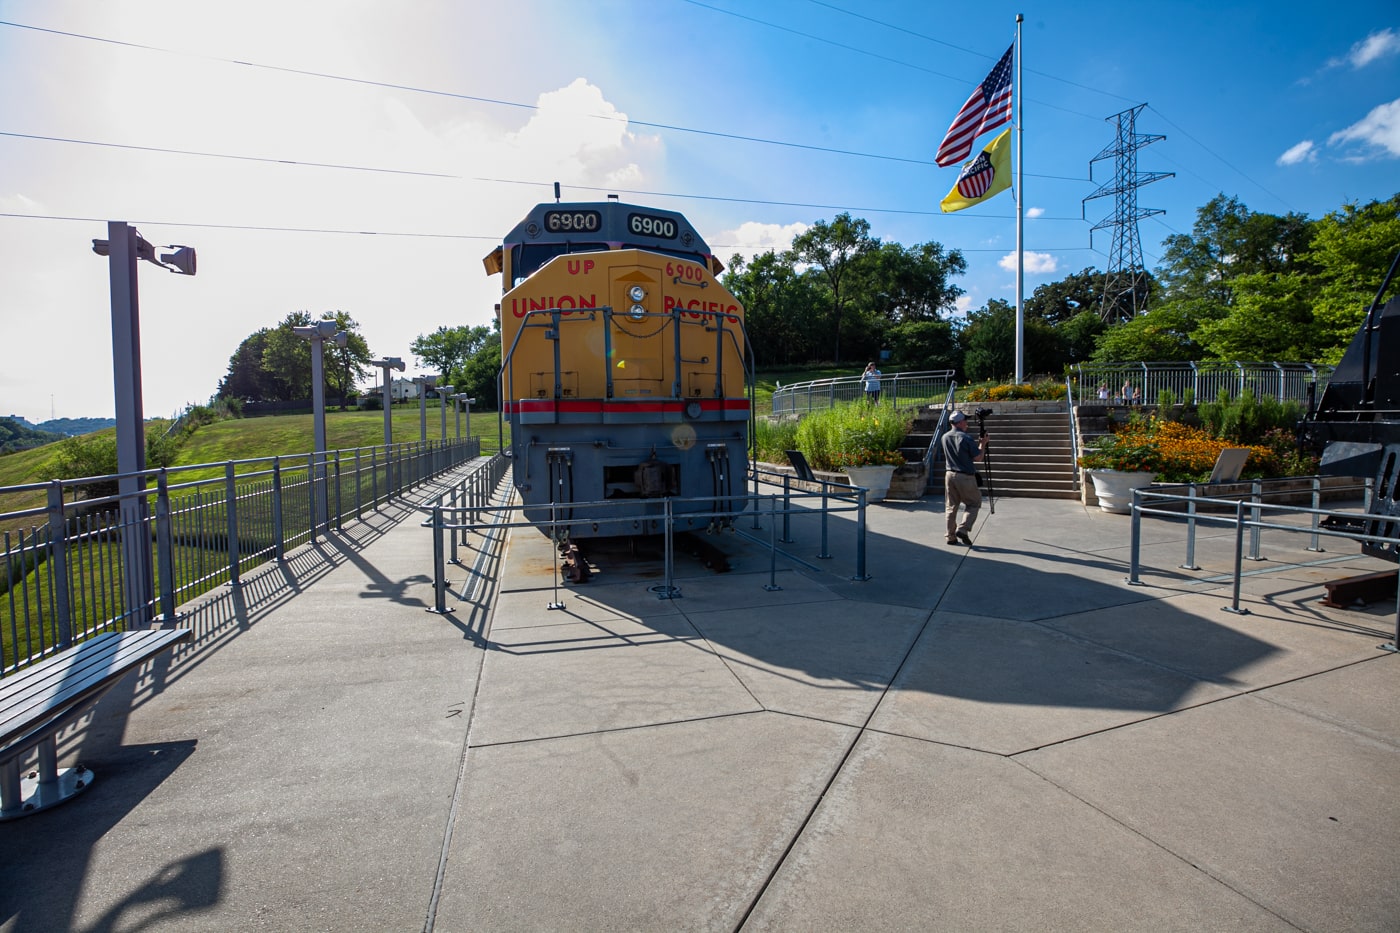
{"x": 318, "y": 334}
{"x": 387, "y": 364}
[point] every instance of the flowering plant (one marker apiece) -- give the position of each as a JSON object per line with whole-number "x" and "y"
{"x": 1125, "y": 452}
{"x": 1176, "y": 452}
{"x": 853, "y": 435}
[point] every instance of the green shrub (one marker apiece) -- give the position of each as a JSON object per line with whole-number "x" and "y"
{"x": 853, "y": 435}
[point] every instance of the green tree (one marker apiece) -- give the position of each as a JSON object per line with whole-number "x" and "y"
{"x": 96, "y": 455}
{"x": 287, "y": 358}
{"x": 246, "y": 378}
{"x": 478, "y": 374}
{"x": 1161, "y": 334}
{"x": 925, "y": 345}
{"x": 1351, "y": 250}
{"x": 1058, "y": 302}
{"x": 782, "y": 308}
{"x": 835, "y": 249}
{"x": 1271, "y": 319}
{"x": 447, "y": 348}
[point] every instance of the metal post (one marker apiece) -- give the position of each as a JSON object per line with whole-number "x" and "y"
{"x": 1239, "y": 556}
{"x": 311, "y": 491}
{"x": 165, "y": 548}
{"x": 318, "y": 416}
{"x": 772, "y": 584}
{"x": 825, "y": 551}
{"x": 374, "y": 476}
{"x": 280, "y": 542}
{"x": 1190, "y": 528}
{"x": 1314, "y": 541}
{"x": 861, "y": 575}
{"x": 58, "y": 565}
{"x": 1255, "y": 495}
{"x": 339, "y": 509}
{"x": 131, "y": 424}
{"x": 787, "y": 508}
{"x": 454, "y": 492}
{"x": 231, "y": 502}
{"x": 439, "y": 568}
{"x": 358, "y": 474}
{"x": 1135, "y": 540}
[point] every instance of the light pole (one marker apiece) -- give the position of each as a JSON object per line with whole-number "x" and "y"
{"x": 444, "y": 393}
{"x": 423, "y": 383}
{"x": 387, "y": 364}
{"x": 123, "y": 247}
{"x": 466, "y": 400}
{"x": 318, "y": 334}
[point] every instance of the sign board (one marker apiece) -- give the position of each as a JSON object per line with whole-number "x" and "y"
{"x": 1229, "y": 465}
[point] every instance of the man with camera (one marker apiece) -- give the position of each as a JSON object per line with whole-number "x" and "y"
{"x": 960, "y": 452}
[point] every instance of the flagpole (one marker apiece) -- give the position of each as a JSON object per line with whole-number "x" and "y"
{"x": 1020, "y": 215}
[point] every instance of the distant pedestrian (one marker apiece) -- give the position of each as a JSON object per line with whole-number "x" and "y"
{"x": 1127, "y": 393}
{"x": 960, "y": 451}
{"x": 1137, "y": 395}
{"x": 1103, "y": 391}
{"x": 870, "y": 382}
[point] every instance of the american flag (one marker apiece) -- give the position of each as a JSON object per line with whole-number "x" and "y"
{"x": 988, "y": 108}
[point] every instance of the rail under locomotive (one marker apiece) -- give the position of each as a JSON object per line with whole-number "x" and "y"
{"x": 623, "y": 372}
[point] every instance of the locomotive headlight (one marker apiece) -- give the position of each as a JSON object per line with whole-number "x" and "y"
{"x": 636, "y": 293}
{"x": 637, "y": 312}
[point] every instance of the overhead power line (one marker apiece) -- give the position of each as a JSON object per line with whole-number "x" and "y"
{"x": 259, "y": 228}
{"x": 504, "y": 181}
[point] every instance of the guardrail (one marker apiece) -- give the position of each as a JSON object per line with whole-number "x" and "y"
{"x": 907, "y": 389}
{"x": 1203, "y": 380}
{"x": 459, "y": 510}
{"x": 75, "y": 564}
{"x": 1251, "y": 512}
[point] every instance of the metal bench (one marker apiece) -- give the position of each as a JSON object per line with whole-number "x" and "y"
{"x": 39, "y": 701}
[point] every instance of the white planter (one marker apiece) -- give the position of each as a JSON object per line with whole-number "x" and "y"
{"x": 876, "y": 479}
{"x": 1114, "y": 489}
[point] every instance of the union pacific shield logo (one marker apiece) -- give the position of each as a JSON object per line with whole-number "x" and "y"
{"x": 977, "y": 176}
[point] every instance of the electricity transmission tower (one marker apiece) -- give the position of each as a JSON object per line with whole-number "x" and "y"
{"x": 1125, "y": 281}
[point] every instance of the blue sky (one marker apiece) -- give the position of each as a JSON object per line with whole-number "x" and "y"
{"x": 437, "y": 124}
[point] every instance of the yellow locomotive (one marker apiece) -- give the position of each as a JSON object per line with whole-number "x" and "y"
{"x": 623, "y": 371}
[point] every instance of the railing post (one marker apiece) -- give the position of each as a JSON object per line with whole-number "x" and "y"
{"x": 1255, "y": 514}
{"x": 787, "y": 508}
{"x": 439, "y": 567}
{"x": 374, "y": 476}
{"x": 1135, "y": 539}
{"x": 58, "y": 573}
{"x": 861, "y": 575}
{"x": 358, "y": 514}
{"x": 311, "y": 494}
{"x": 1239, "y": 557}
{"x": 1313, "y": 544}
{"x": 455, "y": 492}
{"x": 825, "y": 551}
{"x": 772, "y": 584}
{"x": 165, "y": 548}
{"x": 339, "y": 525}
{"x": 279, "y": 539}
{"x": 231, "y": 505}
{"x": 1190, "y": 528}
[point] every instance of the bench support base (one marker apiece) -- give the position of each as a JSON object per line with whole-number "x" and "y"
{"x": 34, "y": 791}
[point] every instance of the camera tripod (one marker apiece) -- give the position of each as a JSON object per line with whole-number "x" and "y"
{"x": 982, "y": 415}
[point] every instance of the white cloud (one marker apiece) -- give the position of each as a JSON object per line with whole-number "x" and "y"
{"x": 1034, "y": 212}
{"x": 751, "y": 239}
{"x": 1375, "y": 46}
{"x": 1304, "y": 151}
{"x": 1035, "y": 263}
{"x": 1380, "y": 127}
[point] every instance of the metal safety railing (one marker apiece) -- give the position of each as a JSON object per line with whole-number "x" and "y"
{"x": 1201, "y": 381}
{"x": 475, "y": 505}
{"x": 80, "y": 557}
{"x": 906, "y": 389}
{"x": 1251, "y": 513}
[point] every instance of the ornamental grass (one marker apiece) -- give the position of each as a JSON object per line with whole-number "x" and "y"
{"x": 857, "y": 434}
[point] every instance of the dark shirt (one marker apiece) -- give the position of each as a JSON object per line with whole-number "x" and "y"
{"x": 959, "y": 448}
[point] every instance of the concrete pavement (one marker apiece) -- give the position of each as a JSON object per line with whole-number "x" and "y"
{"x": 998, "y": 738}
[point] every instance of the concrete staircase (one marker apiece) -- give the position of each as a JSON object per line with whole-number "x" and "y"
{"x": 1031, "y": 453}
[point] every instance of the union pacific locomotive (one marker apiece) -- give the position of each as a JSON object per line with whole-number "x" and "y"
{"x": 623, "y": 371}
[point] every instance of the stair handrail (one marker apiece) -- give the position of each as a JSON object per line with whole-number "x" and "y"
{"x": 1073, "y": 430}
{"x": 934, "y": 447}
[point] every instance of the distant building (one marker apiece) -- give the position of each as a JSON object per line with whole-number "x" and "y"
{"x": 400, "y": 390}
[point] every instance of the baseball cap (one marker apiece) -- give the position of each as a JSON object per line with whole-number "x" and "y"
{"x": 957, "y": 416}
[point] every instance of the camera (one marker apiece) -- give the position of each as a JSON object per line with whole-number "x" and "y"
{"x": 982, "y": 415}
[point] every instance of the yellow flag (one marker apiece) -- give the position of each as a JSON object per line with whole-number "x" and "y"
{"x": 984, "y": 177}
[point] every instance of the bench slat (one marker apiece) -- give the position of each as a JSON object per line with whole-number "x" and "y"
{"x": 39, "y": 694}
